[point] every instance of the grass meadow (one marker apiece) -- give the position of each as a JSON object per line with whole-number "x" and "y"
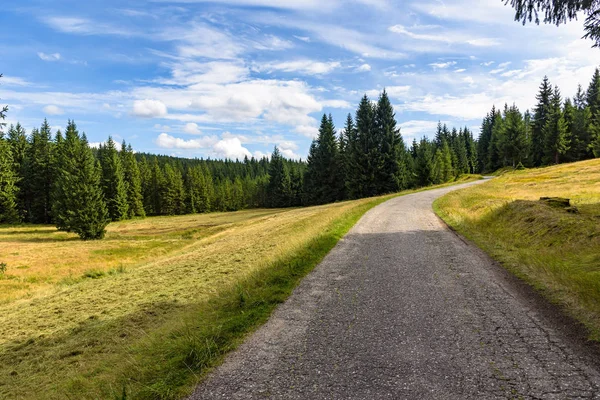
{"x": 556, "y": 251}
{"x": 147, "y": 311}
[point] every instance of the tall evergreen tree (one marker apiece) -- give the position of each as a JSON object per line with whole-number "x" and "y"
{"x": 391, "y": 170}
{"x": 361, "y": 182}
{"x": 40, "y": 176}
{"x": 8, "y": 184}
{"x": 79, "y": 205}
{"x": 540, "y": 118}
{"x": 483, "y": 144}
{"x": 556, "y": 134}
{"x": 279, "y": 187}
{"x": 113, "y": 182}
{"x": 172, "y": 192}
{"x": 512, "y": 145}
{"x": 424, "y": 163}
{"x": 494, "y": 161}
{"x": 593, "y": 94}
{"x": 133, "y": 182}
{"x": 17, "y": 138}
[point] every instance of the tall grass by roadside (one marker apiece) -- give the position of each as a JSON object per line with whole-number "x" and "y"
{"x": 153, "y": 328}
{"x": 555, "y": 249}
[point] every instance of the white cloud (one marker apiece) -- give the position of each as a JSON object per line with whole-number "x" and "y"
{"x": 395, "y": 92}
{"x": 336, "y": 104}
{"x": 53, "y": 110}
{"x": 442, "y": 65}
{"x": 303, "y": 38}
{"x": 435, "y": 33}
{"x": 417, "y": 128}
{"x": 170, "y": 142}
{"x": 308, "y": 67}
{"x": 49, "y": 57}
{"x": 231, "y": 148}
{"x": 149, "y": 108}
{"x": 363, "y": 68}
{"x": 14, "y": 81}
{"x": 192, "y": 129}
{"x": 310, "y": 131}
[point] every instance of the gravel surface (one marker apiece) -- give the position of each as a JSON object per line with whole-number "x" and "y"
{"x": 403, "y": 308}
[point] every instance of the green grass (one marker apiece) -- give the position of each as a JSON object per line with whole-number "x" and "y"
{"x": 554, "y": 250}
{"x": 153, "y": 327}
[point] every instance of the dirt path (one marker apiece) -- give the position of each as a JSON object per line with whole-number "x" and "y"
{"x": 402, "y": 308}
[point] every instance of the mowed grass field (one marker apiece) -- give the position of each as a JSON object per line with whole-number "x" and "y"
{"x": 556, "y": 251}
{"x": 147, "y": 311}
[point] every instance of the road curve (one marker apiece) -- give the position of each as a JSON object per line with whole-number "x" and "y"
{"x": 402, "y": 308}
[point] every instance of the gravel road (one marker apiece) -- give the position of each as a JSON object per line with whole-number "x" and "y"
{"x": 402, "y": 308}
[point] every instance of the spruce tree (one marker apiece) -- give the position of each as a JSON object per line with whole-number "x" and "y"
{"x": 493, "y": 161}
{"x": 8, "y": 184}
{"x": 113, "y": 182}
{"x": 424, "y": 163}
{"x": 40, "y": 176}
{"x": 279, "y": 188}
{"x": 17, "y": 138}
{"x": 391, "y": 149}
{"x": 540, "y": 118}
{"x": 322, "y": 176}
{"x": 556, "y": 135}
{"x": 172, "y": 191}
{"x": 79, "y": 205}
{"x": 483, "y": 144}
{"x": 361, "y": 182}
{"x": 133, "y": 182}
{"x": 512, "y": 144}
{"x": 593, "y": 94}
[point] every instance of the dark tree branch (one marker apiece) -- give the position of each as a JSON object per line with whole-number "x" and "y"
{"x": 559, "y": 12}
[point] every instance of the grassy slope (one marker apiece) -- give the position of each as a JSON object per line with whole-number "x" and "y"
{"x": 555, "y": 251}
{"x": 150, "y": 309}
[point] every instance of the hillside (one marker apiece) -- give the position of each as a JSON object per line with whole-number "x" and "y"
{"x": 556, "y": 249}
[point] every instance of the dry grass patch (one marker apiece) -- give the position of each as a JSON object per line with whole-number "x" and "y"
{"x": 556, "y": 251}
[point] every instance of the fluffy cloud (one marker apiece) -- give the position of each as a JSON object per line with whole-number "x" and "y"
{"x": 170, "y": 142}
{"x": 231, "y": 148}
{"x": 53, "y": 110}
{"x": 149, "y": 108}
{"x": 192, "y": 129}
{"x": 363, "y": 68}
{"x": 49, "y": 57}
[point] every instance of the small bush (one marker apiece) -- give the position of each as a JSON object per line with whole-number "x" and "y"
{"x": 3, "y": 268}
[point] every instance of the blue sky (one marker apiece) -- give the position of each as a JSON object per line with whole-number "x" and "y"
{"x": 230, "y": 78}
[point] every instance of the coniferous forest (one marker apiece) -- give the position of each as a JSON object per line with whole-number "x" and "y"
{"x": 57, "y": 178}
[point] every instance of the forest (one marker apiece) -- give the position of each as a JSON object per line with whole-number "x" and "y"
{"x": 57, "y": 178}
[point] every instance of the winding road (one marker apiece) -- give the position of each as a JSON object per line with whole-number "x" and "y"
{"x": 403, "y": 308}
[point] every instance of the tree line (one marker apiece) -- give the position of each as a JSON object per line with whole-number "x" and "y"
{"x": 556, "y": 131}
{"x": 59, "y": 179}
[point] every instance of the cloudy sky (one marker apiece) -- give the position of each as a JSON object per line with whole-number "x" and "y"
{"x": 229, "y": 78}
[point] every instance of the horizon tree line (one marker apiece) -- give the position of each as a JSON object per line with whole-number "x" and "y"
{"x": 60, "y": 179}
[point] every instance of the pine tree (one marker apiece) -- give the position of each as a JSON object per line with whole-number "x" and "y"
{"x": 79, "y": 204}
{"x": 361, "y": 182}
{"x": 113, "y": 182}
{"x": 155, "y": 187}
{"x": 133, "y": 182}
{"x": 8, "y": 184}
{"x": 512, "y": 142}
{"x": 279, "y": 188}
{"x": 391, "y": 174}
{"x": 17, "y": 138}
{"x": 448, "y": 171}
{"x": 424, "y": 163}
{"x": 556, "y": 135}
{"x": 493, "y": 161}
{"x": 540, "y": 119}
{"x": 322, "y": 176}
{"x": 40, "y": 176}
{"x": 593, "y": 94}
{"x": 485, "y": 137}
{"x": 172, "y": 192}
